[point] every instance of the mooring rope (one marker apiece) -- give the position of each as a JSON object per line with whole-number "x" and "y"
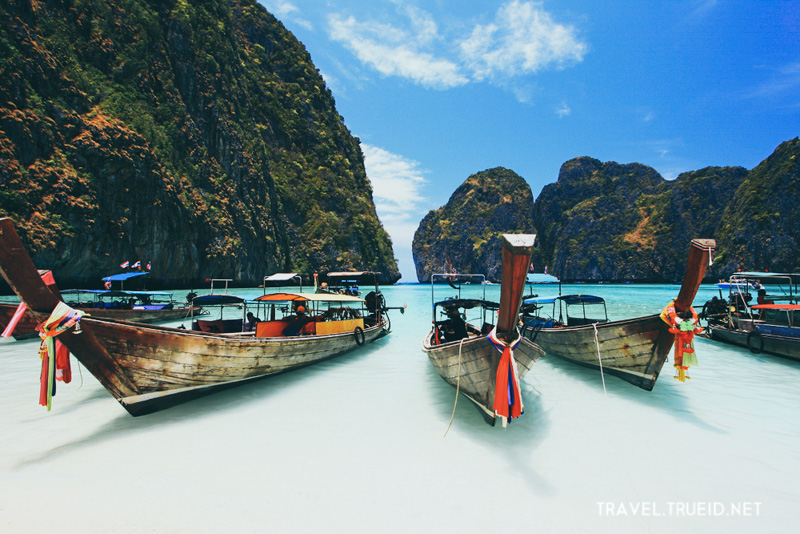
{"x": 599, "y": 359}
{"x": 458, "y": 387}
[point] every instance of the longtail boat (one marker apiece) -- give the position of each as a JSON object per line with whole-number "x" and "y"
{"x": 119, "y": 304}
{"x": 484, "y": 360}
{"x": 632, "y": 349}
{"x": 768, "y": 323}
{"x": 148, "y": 368}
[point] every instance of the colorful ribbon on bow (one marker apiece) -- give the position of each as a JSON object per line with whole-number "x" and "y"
{"x": 54, "y": 355}
{"x": 12, "y": 324}
{"x": 48, "y": 279}
{"x": 507, "y": 390}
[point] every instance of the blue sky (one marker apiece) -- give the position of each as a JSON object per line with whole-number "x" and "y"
{"x": 438, "y": 90}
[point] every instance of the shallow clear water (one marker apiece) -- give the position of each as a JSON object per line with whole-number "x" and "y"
{"x": 357, "y": 444}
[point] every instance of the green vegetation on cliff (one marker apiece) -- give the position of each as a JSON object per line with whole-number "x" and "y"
{"x": 197, "y": 135}
{"x": 759, "y": 228}
{"x": 612, "y": 222}
{"x": 606, "y": 221}
{"x": 464, "y": 235}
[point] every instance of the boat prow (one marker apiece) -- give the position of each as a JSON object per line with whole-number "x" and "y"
{"x": 149, "y": 367}
{"x": 632, "y": 349}
{"x": 476, "y": 355}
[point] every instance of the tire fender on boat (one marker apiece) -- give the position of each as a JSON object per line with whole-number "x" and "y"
{"x": 360, "y": 337}
{"x": 757, "y": 346}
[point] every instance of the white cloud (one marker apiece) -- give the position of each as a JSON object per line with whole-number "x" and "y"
{"x": 522, "y": 40}
{"x": 563, "y": 110}
{"x": 284, "y": 9}
{"x": 784, "y": 81}
{"x": 702, "y": 8}
{"x": 393, "y": 51}
{"x": 396, "y": 183}
{"x": 279, "y": 8}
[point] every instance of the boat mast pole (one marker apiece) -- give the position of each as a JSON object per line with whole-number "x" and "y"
{"x": 20, "y": 273}
{"x": 517, "y": 250}
{"x": 699, "y": 259}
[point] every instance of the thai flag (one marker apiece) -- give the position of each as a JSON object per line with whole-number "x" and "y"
{"x": 137, "y": 265}
{"x": 108, "y": 284}
{"x": 148, "y": 265}
{"x": 125, "y": 264}
{"x": 545, "y": 269}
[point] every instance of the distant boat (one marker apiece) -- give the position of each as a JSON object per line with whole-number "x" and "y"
{"x": 148, "y": 368}
{"x": 473, "y": 359}
{"x": 769, "y": 323}
{"x": 737, "y": 285}
{"x": 133, "y": 306}
{"x": 578, "y": 329}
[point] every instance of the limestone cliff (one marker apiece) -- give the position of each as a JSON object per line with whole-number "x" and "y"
{"x": 612, "y": 222}
{"x": 759, "y": 227}
{"x": 195, "y": 135}
{"x": 464, "y": 235}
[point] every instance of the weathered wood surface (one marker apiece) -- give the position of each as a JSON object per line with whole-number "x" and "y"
{"x": 633, "y": 349}
{"x": 474, "y": 370}
{"x": 516, "y": 258}
{"x": 478, "y": 366}
{"x": 153, "y": 363}
{"x": 700, "y": 252}
{"x": 149, "y": 367}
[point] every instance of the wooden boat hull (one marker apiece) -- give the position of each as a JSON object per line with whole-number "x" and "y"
{"x": 474, "y": 371}
{"x": 149, "y": 368}
{"x": 26, "y": 328}
{"x": 633, "y": 349}
{"x": 784, "y": 346}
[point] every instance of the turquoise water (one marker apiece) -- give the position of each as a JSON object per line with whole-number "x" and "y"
{"x": 357, "y": 444}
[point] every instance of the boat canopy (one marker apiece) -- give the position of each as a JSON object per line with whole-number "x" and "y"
{"x": 787, "y": 307}
{"x": 114, "y": 293}
{"x": 768, "y": 274}
{"x": 352, "y": 274}
{"x": 124, "y": 276}
{"x": 467, "y": 304}
{"x": 217, "y": 299}
{"x": 540, "y": 300}
{"x": 280, "y": 277}
{"x": 542, "y": 278}
{"x": 582, "y": 299}
{"x": 795, "y": 277}
{"x": 313, "y": 297}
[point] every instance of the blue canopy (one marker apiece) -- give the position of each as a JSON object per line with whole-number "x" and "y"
{"x": 582, "y": 299}
{"x": 123, "y": 276}
{"x": 542, "y": 278}
{"x": 540, "y": 300}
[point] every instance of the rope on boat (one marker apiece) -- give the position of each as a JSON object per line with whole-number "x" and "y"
{"x": 458, "y": 387}
{"x": 599, "y": 359}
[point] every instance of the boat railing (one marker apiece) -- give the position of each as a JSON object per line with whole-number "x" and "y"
{"x": 218, "y": 280}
